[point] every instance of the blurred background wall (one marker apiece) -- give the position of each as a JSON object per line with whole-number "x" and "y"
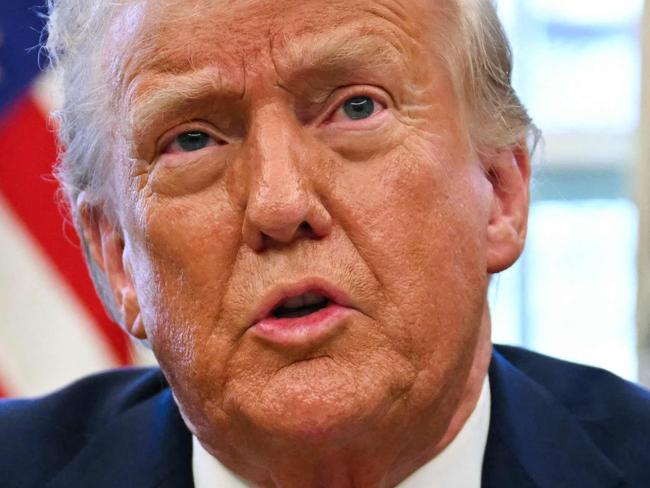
{"x": 574, "y": 292}
{"x": 643, "y": 198}
{"x": 579, "y": 292}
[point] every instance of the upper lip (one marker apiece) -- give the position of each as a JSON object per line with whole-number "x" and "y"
{"x": 281, "y": 292}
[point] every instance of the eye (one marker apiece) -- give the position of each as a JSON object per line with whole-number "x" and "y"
{"x": 191, "y": 141}
{"x": 357, "y": 112}
{"x": 358, "y": 108}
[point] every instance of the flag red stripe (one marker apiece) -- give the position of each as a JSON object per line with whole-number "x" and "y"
{"x": 3, "y": 391}
{"x": 27, "y": 151}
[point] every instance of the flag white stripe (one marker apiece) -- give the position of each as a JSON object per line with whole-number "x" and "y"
{"x": 48, "y": 339}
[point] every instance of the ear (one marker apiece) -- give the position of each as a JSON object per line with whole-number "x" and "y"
{"x": 105, "y": 245}
{"x": 509, "y": 173}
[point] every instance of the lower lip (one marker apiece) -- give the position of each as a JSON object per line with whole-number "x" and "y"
{"x": 298, "y": 331}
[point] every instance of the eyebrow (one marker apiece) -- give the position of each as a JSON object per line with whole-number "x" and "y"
{"x": 170, "y": 92}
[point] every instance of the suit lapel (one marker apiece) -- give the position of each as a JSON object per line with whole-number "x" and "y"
{"x": 147, "y": 446}
{"x": 534, "y": 441}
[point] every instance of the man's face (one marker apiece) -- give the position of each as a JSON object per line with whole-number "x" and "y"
{"x": 290, "y": 147}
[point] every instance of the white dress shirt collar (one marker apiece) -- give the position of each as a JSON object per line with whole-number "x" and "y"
{"x": 459, "y": 465}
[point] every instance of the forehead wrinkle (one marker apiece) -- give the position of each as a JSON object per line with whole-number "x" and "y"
{"x": 393, "y": 11}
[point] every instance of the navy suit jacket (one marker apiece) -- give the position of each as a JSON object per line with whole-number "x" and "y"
{"x": 553, "y": 425}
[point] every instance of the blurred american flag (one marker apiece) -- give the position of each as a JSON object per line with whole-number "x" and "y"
{"x": 52, "y": 325}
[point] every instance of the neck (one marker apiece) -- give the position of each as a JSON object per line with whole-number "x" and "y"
{"x": 479, "y": 370}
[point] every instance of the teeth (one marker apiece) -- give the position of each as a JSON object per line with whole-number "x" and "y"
{"x": 313, "y": 298}
{"x": 294, "y": 302}
{"x": 303, "y": 300}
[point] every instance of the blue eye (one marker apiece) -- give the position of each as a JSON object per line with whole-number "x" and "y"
{"x": 357, "y": 108}
{"x": 193, "y": 141}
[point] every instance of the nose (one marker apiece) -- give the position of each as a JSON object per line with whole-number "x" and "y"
{"x": 282, "y": 205}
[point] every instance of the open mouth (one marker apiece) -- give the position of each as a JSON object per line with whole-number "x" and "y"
{"x": 300, "y": 306}
{"x": 302, "y": 314}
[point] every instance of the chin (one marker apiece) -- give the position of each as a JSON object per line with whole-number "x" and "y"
{"x": 315, "y": 402}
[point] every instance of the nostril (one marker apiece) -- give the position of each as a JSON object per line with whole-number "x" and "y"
{"x": 305, "y": 230}
{"x": 285, "y": 235}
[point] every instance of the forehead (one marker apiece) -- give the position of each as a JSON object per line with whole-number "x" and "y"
{"x": 186, "y": 35}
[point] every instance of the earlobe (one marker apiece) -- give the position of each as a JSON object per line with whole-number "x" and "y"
{"x": 105, "y": 246}
{"x": 132, "y": 319}
{"x": 509, "y": 174}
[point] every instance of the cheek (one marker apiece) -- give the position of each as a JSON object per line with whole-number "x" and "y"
{"x": 416, "y": 218}
{"x": 185, "y": 251}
